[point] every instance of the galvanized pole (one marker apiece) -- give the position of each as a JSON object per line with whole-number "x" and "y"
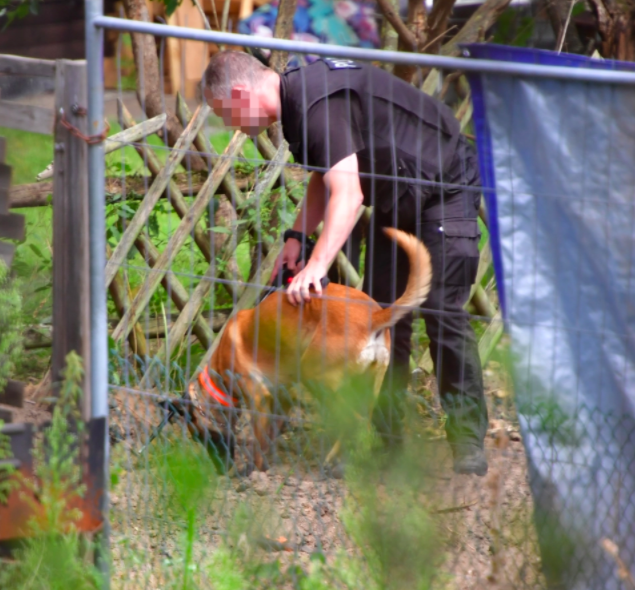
{"x": 97, "y": 224}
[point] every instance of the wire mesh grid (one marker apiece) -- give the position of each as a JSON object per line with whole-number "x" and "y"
{"x": 293, "y": 476}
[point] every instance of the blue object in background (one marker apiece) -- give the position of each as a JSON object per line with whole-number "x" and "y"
{"x": 339, "y": 22}
{"x": 557, "y": 163}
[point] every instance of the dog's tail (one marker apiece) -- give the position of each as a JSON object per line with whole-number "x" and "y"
{"x": 419, "y": 281}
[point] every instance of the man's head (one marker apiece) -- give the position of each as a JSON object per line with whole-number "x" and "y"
{"x": 242, "y": 91}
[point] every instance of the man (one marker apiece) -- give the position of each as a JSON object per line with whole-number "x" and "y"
{"x": 370, "y": 138}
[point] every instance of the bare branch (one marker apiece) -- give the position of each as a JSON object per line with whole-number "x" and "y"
{"x": 405, "y": 35}
{"x": 438, "y": 23}
{"x": 417, "y": 25}
{"x": 149, "y": 86}
{"x": 476, "y": 27}
{"x": 283, "y": 30}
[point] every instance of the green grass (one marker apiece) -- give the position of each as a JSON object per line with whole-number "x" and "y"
{"x": 29, "y": 154}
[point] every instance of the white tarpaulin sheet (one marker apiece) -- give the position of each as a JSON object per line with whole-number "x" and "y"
{"x": 560, "y": 158}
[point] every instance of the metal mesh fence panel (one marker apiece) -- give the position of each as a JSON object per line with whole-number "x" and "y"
{"x": 256, "y": 443}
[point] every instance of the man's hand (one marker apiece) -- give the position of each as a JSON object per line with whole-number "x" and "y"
{"x": 312, "y": 275}
{"x": 290, "y": 253}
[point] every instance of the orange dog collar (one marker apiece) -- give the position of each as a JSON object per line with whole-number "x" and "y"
{"x": 215, "y": 392}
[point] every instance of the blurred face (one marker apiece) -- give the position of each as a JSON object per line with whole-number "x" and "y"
{"x": 242, "y": 110}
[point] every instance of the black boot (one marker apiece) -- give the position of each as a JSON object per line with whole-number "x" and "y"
{"x": 469, "y": 459}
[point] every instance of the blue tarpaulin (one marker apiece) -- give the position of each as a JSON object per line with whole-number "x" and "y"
{"x": 557, "y": 160}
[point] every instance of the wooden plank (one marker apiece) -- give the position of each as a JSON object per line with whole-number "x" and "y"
{"x": 119, "y": 296}
{"x": 63, "y": 49}
{"x": 39, "y": 194}
{"x": 197, "y": 300}
{"x": 205, "y": 148}
{"x": 13, "y": 394}
{"x": 193, "y": 53}
{"x": 176, "y": 196}
{"x": 156, "y": 190}
{"x": 35, "y": 194}
{"x": 491, "y": 337}
{"x": 121, "y": 139}
{"x": 3, "y": 149}
{"x": 180, "y": 235}
{"x": 295, "y": 188}
{"x": 177, "y": 291}
{"x": 42, "y": 34}
{"x": 5, "y": 184}
{"x": 6, "y": 416}
{"x": 174, "y": 46}
{"x": 346, "y": 269}
{"x": 6, "y": 253}
{"x": 135, "y": 133}
{"x": 484, "y": 262}
{"x": 16, "y": 65}
{"x": 12, "y": 226}
{"x": 26, "y": 117}
{"x": 71, "y": 288}
{"x": 21, "y": 438}
{"x": 482, "y": 303}
{"x": 228, "y": 184}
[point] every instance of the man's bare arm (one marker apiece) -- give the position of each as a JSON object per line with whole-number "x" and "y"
{"x": 314, "y": 206}
{"x": 345, "y": 198}
{"x": 341, "y": 211}
{"x": 309, "y": 217}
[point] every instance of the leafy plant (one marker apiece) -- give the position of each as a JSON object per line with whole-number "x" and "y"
{"x": 513, "y": 29}
{"x": 54, "y": 555}
{"x": 58, "y": 476}
{"x": 190, "y": 484}
{"x": 16, "y": 9}
{"x": 7, "y": 483}
{"x": 10, "y": 325}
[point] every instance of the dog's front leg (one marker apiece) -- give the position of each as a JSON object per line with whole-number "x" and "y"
{"x": 260, "y": 408}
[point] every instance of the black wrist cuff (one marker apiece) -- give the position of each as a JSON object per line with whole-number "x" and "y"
{"x": 296, "y": 235}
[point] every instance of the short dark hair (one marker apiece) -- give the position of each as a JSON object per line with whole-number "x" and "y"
{"x": 227, "y": 69}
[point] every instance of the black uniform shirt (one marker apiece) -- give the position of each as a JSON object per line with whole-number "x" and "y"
{"x": 403, "y": 138}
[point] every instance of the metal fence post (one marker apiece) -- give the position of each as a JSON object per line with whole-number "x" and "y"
{"x": 98, "y": 309}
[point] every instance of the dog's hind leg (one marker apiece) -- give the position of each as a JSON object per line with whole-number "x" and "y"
{"x": 260, "y": 400}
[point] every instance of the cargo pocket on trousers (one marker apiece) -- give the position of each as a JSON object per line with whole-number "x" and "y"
{"x": 453, "y": 246}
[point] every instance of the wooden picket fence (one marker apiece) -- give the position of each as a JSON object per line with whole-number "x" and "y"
{"x": 237, "y": 197}
{"x": 221, "y": 180}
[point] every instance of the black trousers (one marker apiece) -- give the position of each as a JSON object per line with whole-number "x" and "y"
{"x": 448, "y": 227}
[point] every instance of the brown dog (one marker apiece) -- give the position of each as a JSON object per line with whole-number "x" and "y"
{"x": 343, "y": 333}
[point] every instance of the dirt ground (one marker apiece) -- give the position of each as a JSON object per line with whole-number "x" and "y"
{"x": 484, "y": 524}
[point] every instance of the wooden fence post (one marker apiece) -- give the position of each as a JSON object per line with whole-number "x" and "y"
{"x": 71, "y": 291}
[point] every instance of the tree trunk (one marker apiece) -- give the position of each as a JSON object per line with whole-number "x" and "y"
{"x": 149, "y": 91}
{"x": 417, "y": 25}
{"x": 475, "y": 28}
{"x": 438, "y": 24}
{"x": 616, "y": 24}
{"x": 389, "y": 37}
{"x": 558, "y": 11}
{"x": 279, "y": 59}
{"x": 426, "y": 33}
